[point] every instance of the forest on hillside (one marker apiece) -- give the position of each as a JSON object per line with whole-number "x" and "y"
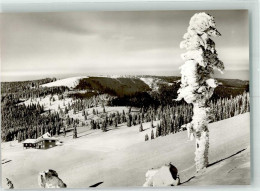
{"x": 20, "y": 121}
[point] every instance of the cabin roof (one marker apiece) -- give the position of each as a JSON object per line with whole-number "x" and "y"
{"x": 46, "y": 137}
{"x": 30, "y": 141}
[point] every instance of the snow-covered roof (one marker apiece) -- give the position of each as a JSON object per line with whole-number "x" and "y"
{"x": 47, "y": 139}
{"x": 30, "y": 141}
{"x": 47, "y": 136}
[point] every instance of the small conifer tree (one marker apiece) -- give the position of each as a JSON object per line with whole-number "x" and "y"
{"x": 156, "y": 133}
{"x": 141, "y": 128}
{"x": 75, "y": 134}
{"x": 146, "y": 138}
{"x": 152, "y": 135}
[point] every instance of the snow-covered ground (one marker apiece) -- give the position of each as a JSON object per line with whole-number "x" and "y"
{"x": 234, "y": 169}
{"x": 54, "y": 104}
{"x": 121, "y": 157}
{"x": 48, "y": 104}
{"x": 108, "y": 110}
{"x": 67, "y": 82}
{"x": 153, "y": 83}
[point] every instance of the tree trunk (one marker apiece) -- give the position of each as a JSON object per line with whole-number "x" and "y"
{"x": 201, "y": 133}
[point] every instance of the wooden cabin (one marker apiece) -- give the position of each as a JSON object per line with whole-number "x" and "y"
{"x": 43, "y": 142}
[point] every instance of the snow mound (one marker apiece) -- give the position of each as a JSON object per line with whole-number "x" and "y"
{"x": 50, "y": 179}
{"x": 67, "y": 82}
{"x": 167, "y": 175}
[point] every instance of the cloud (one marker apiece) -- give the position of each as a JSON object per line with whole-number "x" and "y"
{"x": 111, "y": 42}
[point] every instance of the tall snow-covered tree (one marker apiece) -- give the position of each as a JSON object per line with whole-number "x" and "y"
{"x": 197, "y": 82}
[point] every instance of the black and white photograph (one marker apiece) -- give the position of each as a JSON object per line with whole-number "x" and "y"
{"x": 112, "y": 99}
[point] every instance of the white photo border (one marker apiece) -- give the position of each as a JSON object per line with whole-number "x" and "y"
{"x": 133, "y": 5}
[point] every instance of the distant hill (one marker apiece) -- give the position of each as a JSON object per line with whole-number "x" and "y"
{"x": 12, "y": 87}
{"x": 127, "y": 85}
{"x": 234, "y": 83}
{"x": 113, "y": 86}
{"x": 230, "y": 87}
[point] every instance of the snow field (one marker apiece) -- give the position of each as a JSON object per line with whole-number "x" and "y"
{"x": 121, "y": 157}
{"x": 68, "y": 82}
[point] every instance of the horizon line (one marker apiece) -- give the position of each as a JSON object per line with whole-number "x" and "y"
{"x": 71, "y": 75}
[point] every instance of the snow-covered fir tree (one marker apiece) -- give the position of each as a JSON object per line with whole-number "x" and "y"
{"x": 146, "y": 138}
{"x": 197, "y": 82}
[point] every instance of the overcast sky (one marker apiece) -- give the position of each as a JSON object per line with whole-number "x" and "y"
{"x": 37, "y": 45}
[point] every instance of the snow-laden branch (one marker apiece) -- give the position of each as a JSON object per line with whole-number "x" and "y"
{"x": 200, "y": 60}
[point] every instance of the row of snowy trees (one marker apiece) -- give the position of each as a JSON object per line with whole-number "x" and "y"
{"x": 23, "y": 86}
{"x": 225, "y": 108}
{"x": 21, "y": 122}
{"x": 220, "y": 110}
{"x": 83, "y": 104}
{"x": 173, "y": 117}
{"x": 17, "y": 97}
